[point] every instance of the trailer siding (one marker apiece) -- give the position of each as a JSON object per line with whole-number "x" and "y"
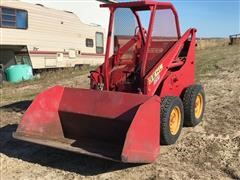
{"x": 53, "y": 31}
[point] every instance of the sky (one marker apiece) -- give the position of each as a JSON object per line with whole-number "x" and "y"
{"x": 212, "y": 18}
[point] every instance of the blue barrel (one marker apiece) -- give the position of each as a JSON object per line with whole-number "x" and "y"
{"x": 18, "y": 73}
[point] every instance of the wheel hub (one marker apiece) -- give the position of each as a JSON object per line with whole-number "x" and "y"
{"x": 175, "y": 120}
{"x": 198, "y": 106}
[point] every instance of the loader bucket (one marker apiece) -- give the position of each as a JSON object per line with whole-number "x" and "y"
{"x": 111, "y": 125}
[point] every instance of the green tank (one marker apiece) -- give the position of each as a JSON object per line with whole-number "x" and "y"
{"x": 18, "y": 73}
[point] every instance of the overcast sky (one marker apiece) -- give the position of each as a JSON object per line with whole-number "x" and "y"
{"x": 212, "y": 18}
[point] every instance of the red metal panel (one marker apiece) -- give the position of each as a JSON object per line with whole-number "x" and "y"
{"x": 143, "y": 4}
{"x": 99, "y": 115}
{"x": 143, "y": 137}
{"x": 99, "y": 103}
{"x": 41, "y": 118}
{"x": 165, "y": 63}
{"x": 178, "y": 81}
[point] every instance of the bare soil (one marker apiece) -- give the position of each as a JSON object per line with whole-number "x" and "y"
{"x": 211, "y": 150}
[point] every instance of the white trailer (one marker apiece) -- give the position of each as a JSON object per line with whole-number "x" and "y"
{"x": 47, "y": 38}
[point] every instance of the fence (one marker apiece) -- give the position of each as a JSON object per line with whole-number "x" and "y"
{"x": 234, "y": 39}
{"x": 203, "y": 43}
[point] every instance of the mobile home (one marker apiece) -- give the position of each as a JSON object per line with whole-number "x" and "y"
{"x": 47, "y": 38}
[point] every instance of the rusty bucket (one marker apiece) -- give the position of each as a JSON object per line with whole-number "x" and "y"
{"x": 112, "y": 125}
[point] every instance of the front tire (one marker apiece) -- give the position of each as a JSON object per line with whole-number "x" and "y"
{"x": 172, "y": 118}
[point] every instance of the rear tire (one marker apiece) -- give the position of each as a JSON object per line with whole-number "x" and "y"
{"x": 194, "y": 105}
{"x": 172, "y": 118}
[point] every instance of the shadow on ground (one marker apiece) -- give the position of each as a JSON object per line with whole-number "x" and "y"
{"x": 20, "y": 106}
{"x": 54, "y": 158}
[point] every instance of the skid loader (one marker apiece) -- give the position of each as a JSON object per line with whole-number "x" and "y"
{"x": 139, "y": 98}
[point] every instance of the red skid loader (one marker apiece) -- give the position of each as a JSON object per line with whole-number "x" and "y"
{"x": 139, "y": 98}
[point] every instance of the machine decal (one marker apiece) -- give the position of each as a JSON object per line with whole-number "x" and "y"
{"x": 156, "y": 75}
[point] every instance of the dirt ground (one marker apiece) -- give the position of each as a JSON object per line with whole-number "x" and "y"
{"x": 209, "y": 151}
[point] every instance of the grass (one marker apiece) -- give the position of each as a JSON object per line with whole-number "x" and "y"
{"x": 213, "y": 60}
{"x": 51, "y": 76}
{"x": 28, "y": 89}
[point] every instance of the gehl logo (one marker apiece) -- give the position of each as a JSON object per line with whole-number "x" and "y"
{"x": 156, "y": 75}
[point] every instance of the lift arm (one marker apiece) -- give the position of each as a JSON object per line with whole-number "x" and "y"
{"x": 160, "y": 70}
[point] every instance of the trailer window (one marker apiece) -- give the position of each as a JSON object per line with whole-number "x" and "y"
{"x": 13, "y": 18}
{"x": 89, "y": 42}
{"x": 99, "y": 43}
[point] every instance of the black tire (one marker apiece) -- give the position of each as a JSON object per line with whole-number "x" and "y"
{"x": 168, "y": 104}
{"x": 189, "y": 103}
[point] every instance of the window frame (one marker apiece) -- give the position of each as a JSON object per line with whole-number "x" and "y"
{"x": 97, "y": 47}
{"x": 15, "y": 10}
{"x": 87, "y": 43}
